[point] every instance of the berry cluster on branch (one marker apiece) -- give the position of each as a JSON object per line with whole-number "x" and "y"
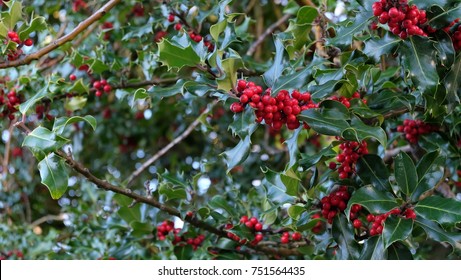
{"x": 374, "y": 224}
{"x": 334, "y": 203}
{"x": 350, "y": 152}
{"x": 15, "y": 53}
{"x": 454, "y": 30}
{"x": 274, "y": 111}
{"x": 167, "y": 227}
{"x": 11, "y": 100}
{"x": 179, "y": 23}
{"x": 414, "y": 128}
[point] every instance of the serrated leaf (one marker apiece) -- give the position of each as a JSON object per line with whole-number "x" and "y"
{"x": 396, "y": 229}
{"x": 219, "y": 202}
{"x": 348, "y": 29}
{"x": 376, "y": 47}
{"x": 343, "y": 233}
{"x": 419, "y": 56}
{"x": 275, "y": 188}
{"x": 217, "y": 29}
{"x": 238, "y": 154}
{"x": 275, "y": 71}
{"x": 130, "y": 214}
{"x": 373, "y": 249}
{"x": 162, "y": 92}
{"x": 405, "y": 173}
{"x": 435, "y": 232}
{"x": 452, "y": 81}
{"x": 292, "y": 145}
{"x": 61, "y": 123}
{"x": 430, "y": 171}
{"x": 359, "y": 131}
{"x": 42, "y": 93}
{"x": 439, "y": 209}
{"x": 54, "y": 175}
{"x": 372, "y": 170}
{"x": 37, "y": 24}
{"x": 295, "y": 211}
{"x": 15, "y": 13}
{"x": 175, "y": 56}
{"x": 243, "y": 232}
{"x": 141, "y": 229}
{"x": 376, "y": 202}
{"x": 229, "y": 67}
{"x": 307, "y": 161}
{"x": 79, "y": 87}
{"x": 43, "y": 139}
{"x": 295, "y": 80}
{"x": 244, "y": 124}
{"x": 440, "y": 17}
{"x": 291, "y": 182}
{"x": 326, "y": 120}
{"x": 398, "y": 251}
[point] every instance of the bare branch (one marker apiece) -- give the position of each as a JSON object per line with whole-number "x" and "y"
{"x": 268, "y": 31}
{"x": 61, "y": 41}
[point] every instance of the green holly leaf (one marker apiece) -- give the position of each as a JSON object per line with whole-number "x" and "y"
{"x": 44, "y": 140}
{"x": 292, "y": 145}
{"x": 435, "y": 232}
{"x": 358, "y": 131}
{"x": 343, "y": 234}
{"x": 347, "y": 30}
{"x": 275, "y": 71}
{"x": 54, "y": 175}
{"x": 37, "y": 24}
{"x": 330, "y": 119}
{"x": 171, "y": 192}
{"x": 276, "y": 191}
{"x": 183, "y": 252}
{"x": 61, "y": 123}
{"x": 396, "y": 229}
{"x": 375, "y": 201}
{"x": 174, "y": 56}
{"x": 419, "y": 56}
{"x": 372, "y": 170}
{"x": 452, "y": 81}
{"x": 220, "y": 202}
{"x": 230, "y": 66}
{"x": 42, "y": 93}
{"x": 243, "y": 124}
{"x": 405, "y": 174}
{"x": 376, "y": 47}
{"x": 75, "y": 103}
{"x": 430, "y": 171}
{"x": 373, "y": 249}
{"x": 439, "y": 209}
{"x": 238, "y": 154}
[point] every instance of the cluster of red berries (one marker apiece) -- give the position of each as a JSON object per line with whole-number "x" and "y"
{"x": 167, "y": 227}
{"x": 101, "y": 86}
{"x": 334, "y": 203}
{"x": 78, "y": 4}
{"x": 14, "y": 54}
{"x": 454, "y": 30}
{"x": 376, "y": 222}
{"x": 11, "y": 100}
{"x": 287, "y": 236}
{"x": 414, "y": 128}
{"x": 252, "y": 223}
{"x": 159, "y": 35}
{"x": 403, "y": 20}
{"x": 14, "y": 254}
{"x": 350, "y": 152}
{"x": 346, "y": 101}
{"x": 275, "y": 111}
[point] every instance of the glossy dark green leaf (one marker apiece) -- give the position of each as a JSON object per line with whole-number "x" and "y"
{"x": 238, "y": 154}
{"x": 158, "y": 91}
{"x": 440, "y": 16}
{"x": 141, "y": 229}
{"x": 350, "y": 28}
{"x": 372, "y": 170}
{"x": 244, "y": 123}
{"x": 405, "y": 173}
{"x": 243, "y": 232}
{"x": 419, "y": 56}
{"x": 172, "y": 192}
{"x": 439, "y": 209}
{"x": 343, "y": 233}
{"x": 292, "y": 145}
{"x": 295, "y": 80}
{"x": 275, "y": 188}
{"x": 376, "y": 202}
{"x": 54, "y": 175}
{"x": 229, "y": 66}
{"x": 430, "y": 171}
{"x": 373, "y": 249}
{"x": 396, "y": 229}
{"x": 291, "y": 182}
{"x": 275, "y": 71}
{"x": 44, "y": 140}
{"x": 30, "y": 102}
{"x": 130, "y": 214}
{"x": 376, "y": 47}
{"x": 452, "y": 81}
{"x": 174, "y": 56}
{"x": 435, "y": 232}
{"x": 183, "y": 252}
{"x": 359, "y": 131}
{"x": 219, "y": 202}
{"x": 308, "y": 161}
{"x": 37, "y": 24}
{"x": 327, "y": 121}
{"x": 398, "y": 251}
{"x": 295, "y": 211}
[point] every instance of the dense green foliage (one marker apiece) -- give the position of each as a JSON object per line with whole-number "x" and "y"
{"x": 157, "y": 130}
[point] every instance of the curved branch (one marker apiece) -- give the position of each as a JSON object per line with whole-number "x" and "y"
{"x": 61, "y": 41}
{"x": 102, "y": 184}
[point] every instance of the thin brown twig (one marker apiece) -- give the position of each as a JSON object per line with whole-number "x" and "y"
{"x": 61, "y": 41}
{"x": 170, "y": 145}
{"x": 46, "y": 218}
{"x": 6, "y": 158}
{"x": 268, "y": 31}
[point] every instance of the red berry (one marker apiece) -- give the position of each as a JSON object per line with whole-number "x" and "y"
{"x": 296, "y": 236}
{"x": 284, "y": 239}
{"x": 178, "y": 26}
{"x": 107, "y": 88}
{"x": 357, "y": 223}
{"x": 72, "y": 77}
{"x": 28, "y": 42}
{"x": 170, "y": 17}
{"x": 258, "y": 227}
